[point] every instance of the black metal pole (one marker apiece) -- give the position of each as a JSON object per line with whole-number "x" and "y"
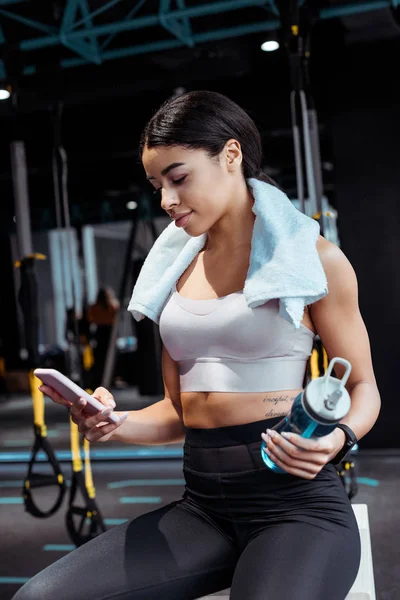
{"x": 111, "y": 350}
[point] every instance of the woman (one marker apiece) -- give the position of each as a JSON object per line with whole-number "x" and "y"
{"x": 266, "y": 535}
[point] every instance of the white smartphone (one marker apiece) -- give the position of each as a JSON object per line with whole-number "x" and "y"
{"x": 72, "y": 392}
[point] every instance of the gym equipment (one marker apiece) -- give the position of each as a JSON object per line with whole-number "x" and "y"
{"x": 83, "y": 522}
{"x": 28, "y": 300}
{"x": 296, "y": 24}
{"x": 149, "y": 342}
{"x": 88, "y": 514}
{"x": 34, "y": 479}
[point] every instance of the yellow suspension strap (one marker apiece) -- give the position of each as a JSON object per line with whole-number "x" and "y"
{"x": 83, "y": 522}
{"x": 319, "y": 360}
{"x": 34, "y": 479}
{"x": 348, "y": 474}
{"x": 318, "y": 215}
{"x": 87, "y": 355}
{"x": 28, "y": 300}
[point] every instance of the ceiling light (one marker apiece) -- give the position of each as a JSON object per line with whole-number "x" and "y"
{"x": 4, "y": 94}
{"x": 131, "y": 205}
{"x": 270, "y": 46}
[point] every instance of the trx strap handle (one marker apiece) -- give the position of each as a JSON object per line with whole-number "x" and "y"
{"x": 36, "y": 480}
{"x": 28, "y": 299}
{"x": 83, "y": 522}
{"x": 318, "y": 360}
{"x": 348, "y": 474}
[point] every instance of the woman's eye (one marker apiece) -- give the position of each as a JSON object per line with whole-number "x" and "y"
{"x": 181, "y": 180}
{"x": 175, "y": 182}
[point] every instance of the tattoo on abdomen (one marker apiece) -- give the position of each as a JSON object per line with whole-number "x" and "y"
{"x": 275, "y": 412}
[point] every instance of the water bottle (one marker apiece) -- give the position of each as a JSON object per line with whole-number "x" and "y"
{"x": 316, "y": 410}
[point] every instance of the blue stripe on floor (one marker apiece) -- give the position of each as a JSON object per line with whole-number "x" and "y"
{"x": 14, "y": 483}
{"x": 14, "y": 579}
{"x": 108, "y": 454}
{"x": 59, "y": 547}
{"x": 11, "y": 500}
{"x": 115, "y": 521}
{"x": 16, "y": 443}
{"x": 11, "y": 483}
{"x": 143, "y": 482}
{"x": 140, "y": 500}
{"x": 367, "y": 481}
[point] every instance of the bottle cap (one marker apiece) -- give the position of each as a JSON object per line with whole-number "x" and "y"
{"x": 326, "y": 399}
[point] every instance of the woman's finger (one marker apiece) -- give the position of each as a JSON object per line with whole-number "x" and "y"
{"x": 98, "y": 418}
{"x": 309, "y": 462}
{"x": 308, "y": 444}
{"x": 310, "y": 453}
{"x": 305, "y": 461}
{"x": 53, "y": 395}
{"x": 77, "y": 409}
{"x": 103, "y": 431}
{"x": 104, "y": 396}
{"x": 299, "y": 471}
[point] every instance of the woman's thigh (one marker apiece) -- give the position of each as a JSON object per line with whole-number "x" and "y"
{"x": 298, "y": 560}
{"x": 168, "y": 553}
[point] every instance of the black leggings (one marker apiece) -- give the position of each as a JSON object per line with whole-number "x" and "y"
{"x": 267, "y": 535}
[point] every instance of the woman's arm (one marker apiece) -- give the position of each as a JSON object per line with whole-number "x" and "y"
{"x": 343, "y": 333}
{"x": 160, "y": 423}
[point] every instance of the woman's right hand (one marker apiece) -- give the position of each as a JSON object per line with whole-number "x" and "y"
{"x": 93, "y": 427}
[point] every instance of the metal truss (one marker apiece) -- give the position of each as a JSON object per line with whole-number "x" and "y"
{"x": 89, "y": 39}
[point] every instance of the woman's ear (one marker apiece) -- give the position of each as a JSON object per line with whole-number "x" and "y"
{"x": 233, "y": 155}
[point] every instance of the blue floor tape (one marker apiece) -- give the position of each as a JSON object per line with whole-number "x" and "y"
{"x": 59, "y": 547}
{"x": 11, "y": 483}
{"x": 140, "y": 500}
{"x": 367, "y": 481}
{"x": 16, "y": 443}
{"x": 143, "y": 482}
{"x": 14, "y": 579}
{"x": 115, "y": 521}
{"x": 108, "y": 454}
{"x": 12, "y": 500}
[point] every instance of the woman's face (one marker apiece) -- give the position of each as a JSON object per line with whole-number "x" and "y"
{"x": 190, "y": 181}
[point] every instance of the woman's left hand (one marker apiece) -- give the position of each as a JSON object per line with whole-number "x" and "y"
{"x": 301, "y": 456}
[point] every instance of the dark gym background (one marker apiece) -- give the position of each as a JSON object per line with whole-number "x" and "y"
{"x": 355, "y": 51}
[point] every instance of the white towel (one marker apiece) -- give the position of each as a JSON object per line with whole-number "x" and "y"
{"x": 284, "y": 262}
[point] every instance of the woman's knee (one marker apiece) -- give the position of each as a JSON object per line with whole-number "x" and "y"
{"x": 37, "y": 588}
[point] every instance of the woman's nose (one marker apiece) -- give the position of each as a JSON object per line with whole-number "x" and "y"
{"x": 168, "y": 199}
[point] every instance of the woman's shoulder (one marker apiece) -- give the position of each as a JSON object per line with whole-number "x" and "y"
{"x": 330, "y": 254}
{"x": 338, "y": 269}
{"x": 324, "y": 246}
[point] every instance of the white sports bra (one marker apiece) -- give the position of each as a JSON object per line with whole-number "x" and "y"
{"x": 222, "y": 345}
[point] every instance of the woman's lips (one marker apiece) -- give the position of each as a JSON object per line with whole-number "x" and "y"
{"x": 183, "y": 220}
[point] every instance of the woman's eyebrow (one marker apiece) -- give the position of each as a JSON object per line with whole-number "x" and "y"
{"x": 168, "y": 169}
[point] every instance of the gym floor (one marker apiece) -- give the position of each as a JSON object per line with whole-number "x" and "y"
{"x": 131, "y": 480}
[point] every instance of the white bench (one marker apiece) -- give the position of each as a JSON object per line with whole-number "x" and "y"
{"x": 364, "y": 586}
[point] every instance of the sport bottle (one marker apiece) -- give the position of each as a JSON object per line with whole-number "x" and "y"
{"x": 317, "y": 409}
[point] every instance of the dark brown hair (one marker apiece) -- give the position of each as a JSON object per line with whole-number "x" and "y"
{"x": 206, "y": 120}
